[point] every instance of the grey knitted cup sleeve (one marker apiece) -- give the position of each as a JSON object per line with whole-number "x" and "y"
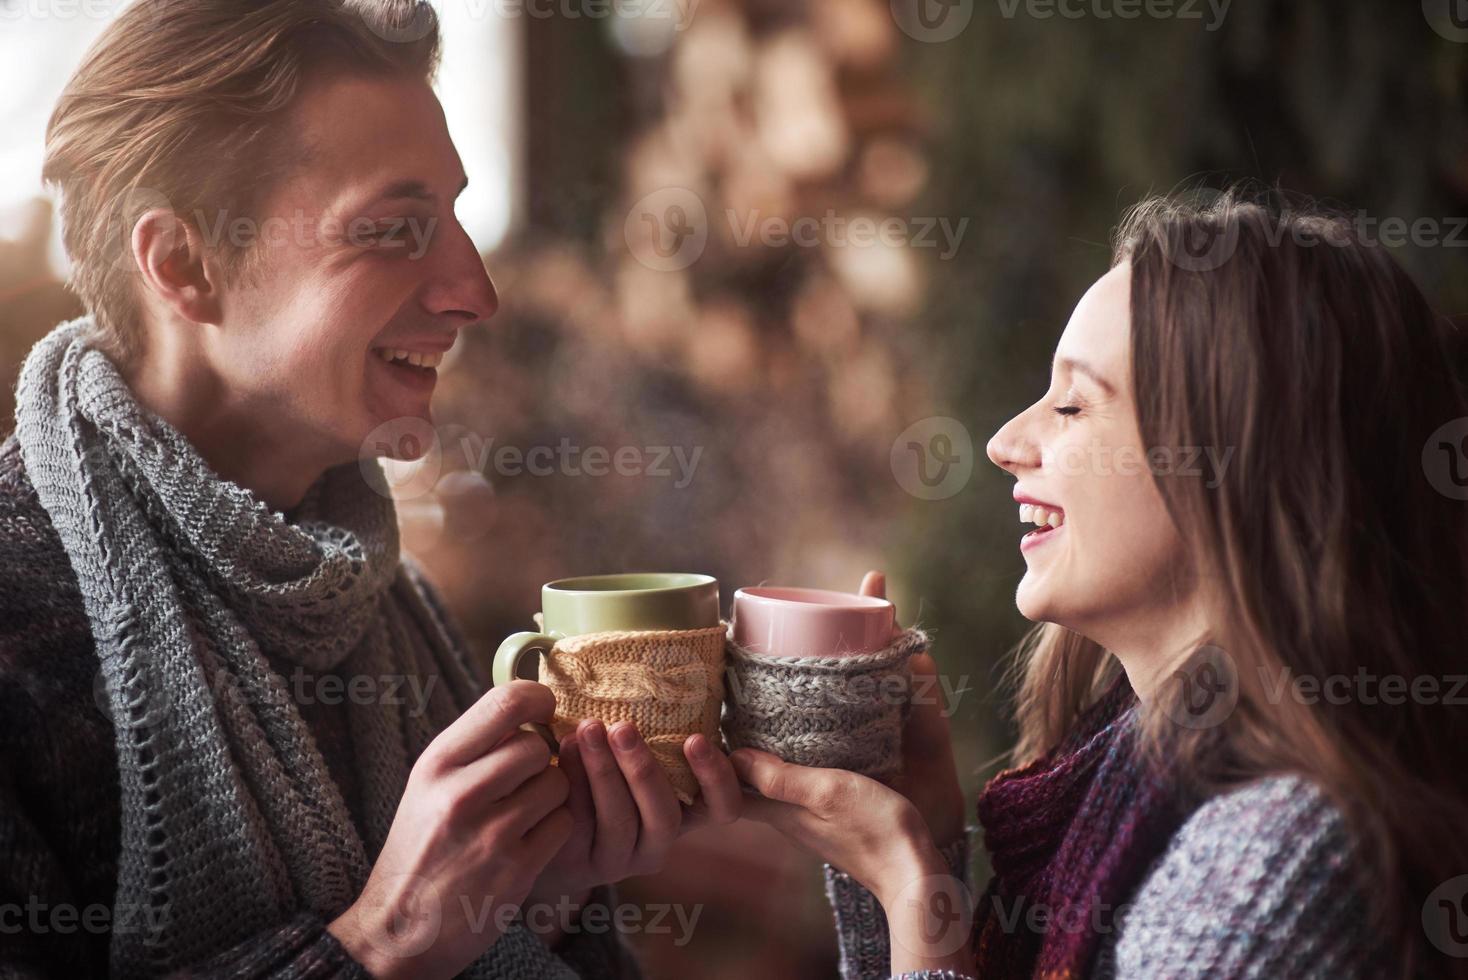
{"x": 831, "y": 712}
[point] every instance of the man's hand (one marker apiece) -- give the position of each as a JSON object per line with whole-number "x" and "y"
{"x": 624, "y": 813}
{"x": 482, "y": 814}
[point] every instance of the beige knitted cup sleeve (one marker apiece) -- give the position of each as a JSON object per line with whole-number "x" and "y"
{"x": 843, "y": 712}
{"x": 669, "y": 683}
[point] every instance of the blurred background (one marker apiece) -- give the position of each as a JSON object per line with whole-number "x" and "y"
{"x": 773, "y": 271}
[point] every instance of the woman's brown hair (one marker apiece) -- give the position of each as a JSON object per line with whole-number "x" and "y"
{"x": 179, "y": 104}
{"x": 1333, "y": 547}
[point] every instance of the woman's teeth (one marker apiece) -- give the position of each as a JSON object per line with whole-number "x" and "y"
{"x": 1035, "y": 514}
{"x": 415, "y": 358}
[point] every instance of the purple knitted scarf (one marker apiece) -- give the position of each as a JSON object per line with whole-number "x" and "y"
{"x": 1070, "y": 837}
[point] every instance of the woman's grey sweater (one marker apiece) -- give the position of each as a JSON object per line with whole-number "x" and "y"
{"x": 1257, "y": 883}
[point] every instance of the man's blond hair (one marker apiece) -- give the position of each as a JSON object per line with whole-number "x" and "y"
{"x": 178, "y": 105}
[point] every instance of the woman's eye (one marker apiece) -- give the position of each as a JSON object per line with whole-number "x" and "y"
{"x": 1067, "y": 410}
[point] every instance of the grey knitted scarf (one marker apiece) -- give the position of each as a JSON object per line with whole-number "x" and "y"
{"x": 231, "y": 823}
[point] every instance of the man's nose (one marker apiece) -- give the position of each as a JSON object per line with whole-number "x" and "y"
{"x": 461, "y": 285}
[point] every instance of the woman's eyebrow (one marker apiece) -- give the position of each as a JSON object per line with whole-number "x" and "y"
{"x": 1078, "y": 366}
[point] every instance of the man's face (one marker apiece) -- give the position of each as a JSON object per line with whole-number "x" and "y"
{"x": 360, "y": 255}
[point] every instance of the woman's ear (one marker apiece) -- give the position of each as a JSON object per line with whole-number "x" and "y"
{"x": 171, "y": 260}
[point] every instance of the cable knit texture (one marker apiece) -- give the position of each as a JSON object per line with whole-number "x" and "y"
{"x": 670, "y": 683}
{"x": 227, "y": 832}
{"x": 842, "y": 712}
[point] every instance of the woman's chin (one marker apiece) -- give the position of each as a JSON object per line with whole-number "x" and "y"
{"x": 1035, "y": 599}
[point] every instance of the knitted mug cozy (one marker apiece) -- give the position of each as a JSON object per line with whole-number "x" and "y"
{"x": 832, "y": 712}
{"x": 670, "y": 683}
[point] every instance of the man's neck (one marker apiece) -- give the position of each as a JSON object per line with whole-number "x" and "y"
{"x": 232, "y": 438}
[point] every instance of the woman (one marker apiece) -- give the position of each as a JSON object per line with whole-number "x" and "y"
{"x": 1239, "y": 743}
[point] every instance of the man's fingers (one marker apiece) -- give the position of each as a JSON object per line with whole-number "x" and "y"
{"x": 539, "y": 795}
{"x": 720, "y": 799}
{"x": 545, "y": 840}
{"x": 578, "y": 799}
{"x": 492, "y": 719}
{"x": 501, "y": 772}
{"x": 616, "y": 813}
{"x": 656, "y": 804}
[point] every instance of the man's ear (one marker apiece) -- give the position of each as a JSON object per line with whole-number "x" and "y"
{"x": 174, "y": 266}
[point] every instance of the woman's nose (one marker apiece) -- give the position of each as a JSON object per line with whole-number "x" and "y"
{"x": 1011, "y": 449}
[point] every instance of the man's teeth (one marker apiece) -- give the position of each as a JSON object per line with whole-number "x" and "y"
{"x": 415, "y": 358}
{"x": 1035, "y": 514}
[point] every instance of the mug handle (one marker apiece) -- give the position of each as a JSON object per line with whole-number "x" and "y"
{"x": 507, "y": 664}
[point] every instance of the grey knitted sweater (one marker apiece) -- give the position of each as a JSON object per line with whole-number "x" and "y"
{"x": 60, "y": 806}
{"x": 1255, "y": 884}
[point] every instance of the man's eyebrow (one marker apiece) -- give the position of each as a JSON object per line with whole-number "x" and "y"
{"x": 1079, "y": 366}
{"x": 411, "y": 188}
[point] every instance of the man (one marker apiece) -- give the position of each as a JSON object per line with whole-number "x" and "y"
{"x": 195, "y": 568}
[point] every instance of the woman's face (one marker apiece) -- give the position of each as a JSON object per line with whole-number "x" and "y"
{"x": 1106, "y": 554}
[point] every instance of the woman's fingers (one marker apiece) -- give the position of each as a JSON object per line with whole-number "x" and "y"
{"x": 785, "y": 817}
{"x": 653, "y": 793}
{"x": 616, "y": 811}
{"x": 874, "y": 583}
{"x": 817, "y": 790}
{"x": 720, "y": 800}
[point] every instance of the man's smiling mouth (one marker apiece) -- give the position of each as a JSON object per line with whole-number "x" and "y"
{"x": 405, "y": 358}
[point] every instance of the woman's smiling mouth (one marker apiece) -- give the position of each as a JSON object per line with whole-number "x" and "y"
{"x": 1050, "y": 518}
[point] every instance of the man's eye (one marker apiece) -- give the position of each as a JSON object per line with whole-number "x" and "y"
{"x": 391, "y": 235}
{"x": 1067, "y": 410}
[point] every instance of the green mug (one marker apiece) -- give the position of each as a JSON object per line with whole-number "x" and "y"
{"x": 599, "y": 603}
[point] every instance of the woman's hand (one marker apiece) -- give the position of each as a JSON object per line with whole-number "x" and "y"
{"x": 877, "y": 836}
{"x": 888, "y": 839}
{"x": 625, "y": 816}
{"x": 850, "y": 821}
{"x": 929, "y": 776}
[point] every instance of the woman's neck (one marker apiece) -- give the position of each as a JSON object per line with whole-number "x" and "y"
{"x": 1153, "y": 644}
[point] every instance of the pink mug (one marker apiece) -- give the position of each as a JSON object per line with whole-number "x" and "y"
{"x": 791, "y": 622}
